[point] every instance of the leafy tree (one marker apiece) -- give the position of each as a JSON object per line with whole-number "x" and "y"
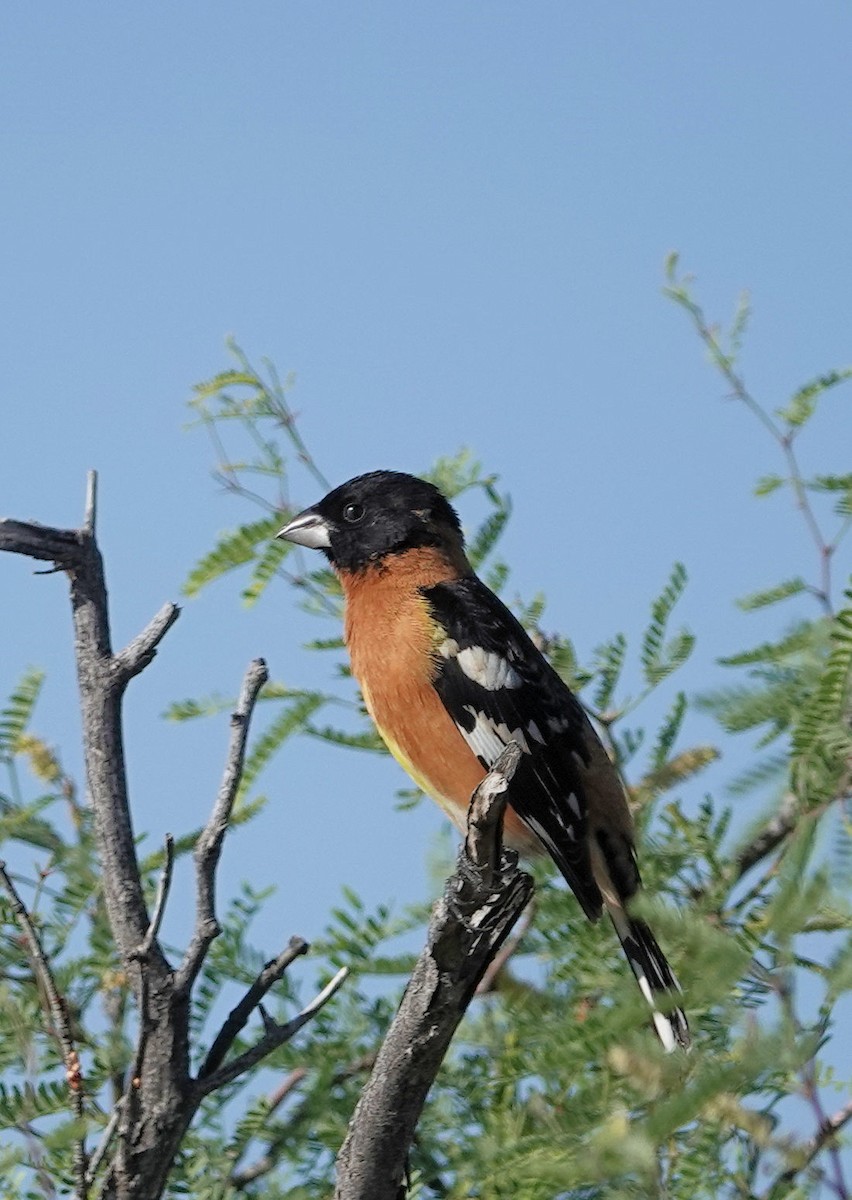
{"x": 553, "y": 1087}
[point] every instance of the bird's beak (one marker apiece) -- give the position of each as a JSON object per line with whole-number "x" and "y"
{"x": 307, "y": 529}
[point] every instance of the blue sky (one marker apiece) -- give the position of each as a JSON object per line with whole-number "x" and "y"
{"x": 449, "y": 220}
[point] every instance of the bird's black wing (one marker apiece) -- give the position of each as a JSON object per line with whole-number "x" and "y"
{"x": 498, "y": 688}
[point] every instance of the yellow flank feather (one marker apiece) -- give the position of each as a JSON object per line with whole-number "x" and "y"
{"x": 456, "y": 814}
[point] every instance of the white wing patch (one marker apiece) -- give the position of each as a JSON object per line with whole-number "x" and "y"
{"x": 487, "y": 668}
{"x": 535, "y": 732}
{"x": 488, "y": 738}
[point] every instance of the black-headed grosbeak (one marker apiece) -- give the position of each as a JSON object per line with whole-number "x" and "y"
{"x": 450, "y": 677}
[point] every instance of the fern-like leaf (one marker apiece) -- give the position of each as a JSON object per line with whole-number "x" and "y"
{"x": 668, "y": 731}
{"x": 801, "y": 637}
{"x": 16, "y": 715}
{"x": 821, "y": 736}
{"x": 781, "y": 591}
{"x": 368, "y": 739}
{"x": 767, "y": 484}
{"x": 233, "y": 550}
{"x": 658, "y": 658}
{"x": 609, "y": 663}
{"x": 488, "y": 534}
{"x": 265, "y": 569}
{"x": 677, "y": 770}
{"x": 20, "y": 1105}
{"x": 803, "y": 402}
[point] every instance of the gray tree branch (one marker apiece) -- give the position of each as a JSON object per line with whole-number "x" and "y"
{"x": 239, "y": 1015}
{"x": 481, "y": 902}
{"x": 159, "y": 1099}
{"x": 275, "y": 1036}
{"x": 209, "y": 844}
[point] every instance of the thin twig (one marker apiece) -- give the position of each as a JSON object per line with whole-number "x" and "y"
{"x": 105, "y": 1143}
{"x": 828, "y": 1130}
{"x": 59, "y": 1018}
{"x": 275, "y": 1036}
{"x": 241, "y": 1178}
{"x": 209, "y": 845}
{"x": 160, "y": 901}
{"x": 290, "y": 1081}
{"x": 238, "y": 1017}
{"x": 269, "y": 1160}
{"x": 782, "y": 983}
{"x": 725, "y": 364}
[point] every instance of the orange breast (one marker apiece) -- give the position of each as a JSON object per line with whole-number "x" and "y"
{"x": 392, "y": 645}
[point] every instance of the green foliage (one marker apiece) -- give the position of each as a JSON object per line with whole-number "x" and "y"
{"x": 781, "y": 591}
{"x": 661, "y": 658}
{"x": 16, "y": 713}
{"x": 822, "y": 737}
{"x": 803, "y": 402}
{"x": 554, "y": 1088}
{"x": 234, "y": 550}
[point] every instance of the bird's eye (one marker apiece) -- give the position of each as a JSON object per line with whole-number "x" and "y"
{"x": 353, "y": 513}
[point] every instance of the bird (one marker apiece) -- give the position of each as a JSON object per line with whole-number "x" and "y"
{"x": 450, "y": 677}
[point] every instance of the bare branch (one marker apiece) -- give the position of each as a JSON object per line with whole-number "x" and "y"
{"x": 105, "y": 1142}
{"x": 481, "y": 902}
{"x": 101, "y": 700}
{"x": 90, "y": 516}
{"x": 290, "y": 1081}
{"x": 161, "y": 1106}
{"x": 61, "y": 546}
{"x": 275, "y": 1036}
{"x": 725, "y": 364}
{"x": 238, "y": 1016}
{"x": 160, "y": 901}
{"x": 59, "y": 1019}
{"x": 137, "y": 655}
{"x": 209, "y": 844}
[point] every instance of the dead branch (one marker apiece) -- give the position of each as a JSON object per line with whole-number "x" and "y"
{"x": 160, "y": 900}
{"x": 481, "y": 902}
{"x": 209, "y": 845}
{"x": 276, "y": 1035}
{"x": 158, "y": 1100}
{"x": 239, "y": 1015}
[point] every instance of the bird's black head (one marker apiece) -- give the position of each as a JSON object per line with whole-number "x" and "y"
{"x": 371, "y": 516}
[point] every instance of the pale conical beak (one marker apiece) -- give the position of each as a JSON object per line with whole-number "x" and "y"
{"x": 307, "y": 529}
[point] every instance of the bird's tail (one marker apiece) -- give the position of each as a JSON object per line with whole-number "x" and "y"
{"x": 654, "y": 976}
